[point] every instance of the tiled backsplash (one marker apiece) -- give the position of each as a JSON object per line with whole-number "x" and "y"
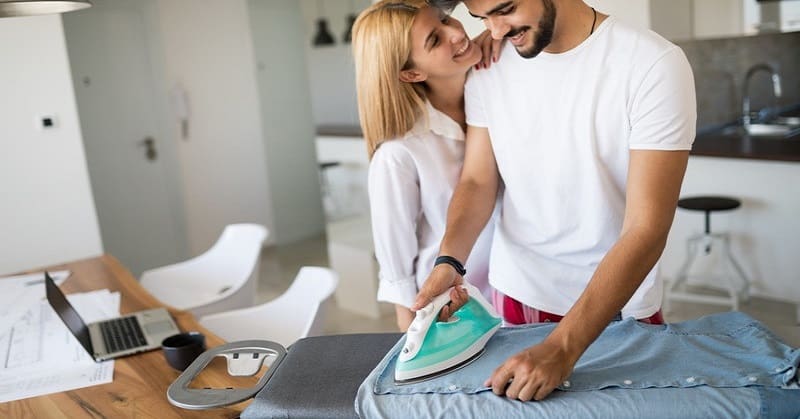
{"x": 720, "y": 66}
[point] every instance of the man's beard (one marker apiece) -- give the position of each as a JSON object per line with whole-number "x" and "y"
{"x": 544, "y": 34}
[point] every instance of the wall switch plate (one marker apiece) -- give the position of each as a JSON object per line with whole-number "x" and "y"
{"x": 46, "y": 122}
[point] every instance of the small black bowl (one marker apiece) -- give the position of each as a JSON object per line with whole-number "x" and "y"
{"x": 182, "y": 349}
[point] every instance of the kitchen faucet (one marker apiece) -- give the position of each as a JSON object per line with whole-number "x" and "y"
{"x": 776, "y": 88}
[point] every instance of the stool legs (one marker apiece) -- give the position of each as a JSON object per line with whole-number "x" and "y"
{"x": 745, "y": 288}
{"x": 735, "y": 291}
{"x": 683, "y": 272}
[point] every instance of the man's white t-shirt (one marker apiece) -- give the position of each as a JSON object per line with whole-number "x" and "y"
{"x": 561, "y": 127}
{"x": 410, "y": 182}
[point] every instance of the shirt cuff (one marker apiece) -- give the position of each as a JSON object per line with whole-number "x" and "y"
{"x": 401, "y": 291}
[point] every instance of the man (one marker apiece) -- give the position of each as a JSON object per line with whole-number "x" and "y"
{"x": 589, "y": 127}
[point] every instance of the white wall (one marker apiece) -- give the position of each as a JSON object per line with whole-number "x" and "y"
{"x": 764, "y": 230}
{"x": 672, "y": 19}
{"x": 331, "y": 73}
{"x": 636, "y": 12}
{"x": 633, "y": 12}
{"x": 208, "y": 48}
{"x": 473, "y": 26}
{"x": 47, "y": 215}
{"x": 288, "y": 126}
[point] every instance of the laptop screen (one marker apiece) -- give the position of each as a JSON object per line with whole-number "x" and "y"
{"x": 68, "y": 314}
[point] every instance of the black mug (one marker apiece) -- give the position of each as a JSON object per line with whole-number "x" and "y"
{"x": 182, "y": 349}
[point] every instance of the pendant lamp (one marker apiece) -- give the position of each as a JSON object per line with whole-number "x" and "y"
{"x": 323, "y": 36}
{"x": 12, "y": 8}
{"x": 351, "y": 20}
{"x": 348, "y": 35}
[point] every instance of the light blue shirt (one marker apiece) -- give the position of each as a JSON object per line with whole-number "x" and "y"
{"x": 724, "y": 365}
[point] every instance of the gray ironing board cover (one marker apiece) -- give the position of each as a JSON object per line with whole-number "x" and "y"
{"x": 319, "y": 377}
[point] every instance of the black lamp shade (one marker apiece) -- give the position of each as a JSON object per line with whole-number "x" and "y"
{"x": 323, "y": 36}
{"x": 348, "y": 34}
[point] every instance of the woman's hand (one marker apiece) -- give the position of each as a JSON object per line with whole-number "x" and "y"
{"x": 490, "y": 48}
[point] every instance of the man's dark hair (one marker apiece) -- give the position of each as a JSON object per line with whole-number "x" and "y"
{"x": 446, "y": 5}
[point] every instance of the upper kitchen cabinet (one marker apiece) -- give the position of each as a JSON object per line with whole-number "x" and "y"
{"x": 702, "y": 19}
{"x": 681, "y": 20}
{"x": 780, "y": 16}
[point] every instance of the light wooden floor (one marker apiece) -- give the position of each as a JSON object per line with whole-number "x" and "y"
{"x": 279, "y": 265}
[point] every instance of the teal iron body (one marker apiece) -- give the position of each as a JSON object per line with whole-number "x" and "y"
{"x": 433, "y": 348}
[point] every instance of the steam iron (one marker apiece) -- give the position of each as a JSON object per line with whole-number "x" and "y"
{"x": 434, "y": 348}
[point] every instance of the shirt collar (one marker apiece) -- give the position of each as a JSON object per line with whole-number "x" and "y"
{"x": 438, "y": 123}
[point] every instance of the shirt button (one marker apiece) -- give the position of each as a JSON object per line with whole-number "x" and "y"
{"x": 752, "y": 379}
{"x": 567, "y": 384}
{"x": 628, "y": 382}
{"x": 452, "y": 387}
{"x": 690, "y": 380}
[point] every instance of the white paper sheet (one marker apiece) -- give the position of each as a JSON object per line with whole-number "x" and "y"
{"x": 56, "y": 381}
{"x": 40, "y": 355}
{"x": 19, "y": 293}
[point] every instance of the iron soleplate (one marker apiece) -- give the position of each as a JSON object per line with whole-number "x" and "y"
{"x": 445, "y": 371}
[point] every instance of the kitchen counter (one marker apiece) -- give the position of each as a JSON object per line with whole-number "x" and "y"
{"x": 721, "y": 142}
{"x": 339, "y": 131}
{"x": 741, "y": 146}
{"x": 733, "y": 142}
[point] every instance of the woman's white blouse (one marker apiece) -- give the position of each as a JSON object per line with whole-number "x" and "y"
{"x": 411, "y": 181}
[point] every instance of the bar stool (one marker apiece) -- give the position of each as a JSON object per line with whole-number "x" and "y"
{"x": 329, "y": 204}
{"x": 736, "y": 292}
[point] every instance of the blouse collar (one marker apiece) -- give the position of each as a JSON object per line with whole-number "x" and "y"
{"x": 439, "y": 123}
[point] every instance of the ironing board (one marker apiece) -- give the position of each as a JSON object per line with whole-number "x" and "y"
{"x": 319, "y": 377}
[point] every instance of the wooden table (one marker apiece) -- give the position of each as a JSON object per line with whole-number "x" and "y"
{"x": 139, "y": 389}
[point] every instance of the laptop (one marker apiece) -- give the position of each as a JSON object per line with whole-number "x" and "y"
{"x": 125, "y": 335}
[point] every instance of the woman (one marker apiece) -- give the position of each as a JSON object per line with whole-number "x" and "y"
{"x": 411, "y": 63}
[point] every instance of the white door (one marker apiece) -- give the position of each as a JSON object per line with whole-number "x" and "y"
{"x": 131, "y": 166}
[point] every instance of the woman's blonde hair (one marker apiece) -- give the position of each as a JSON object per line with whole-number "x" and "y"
{"x": 387, "y": 107}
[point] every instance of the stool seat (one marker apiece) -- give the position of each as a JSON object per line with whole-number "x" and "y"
{"x": 709, "y": 203}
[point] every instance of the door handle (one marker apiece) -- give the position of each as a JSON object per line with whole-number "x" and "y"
{"x": 149, "y": 145}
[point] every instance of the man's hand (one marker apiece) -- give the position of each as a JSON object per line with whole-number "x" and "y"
{"x": 441, "y": 278}
{"x": 533, "y": 373}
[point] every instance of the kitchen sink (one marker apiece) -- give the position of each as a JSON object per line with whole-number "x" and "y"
{"x": 769, "y": 130}
{"x": 778, "y": 127}
{"x": 764, "y": 125}
{"x": 765, "y": 131}
{"x": 788, "y": 120}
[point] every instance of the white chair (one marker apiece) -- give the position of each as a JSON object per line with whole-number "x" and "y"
{"x": 293, "y": 315}
{"x": 222, "y": 278}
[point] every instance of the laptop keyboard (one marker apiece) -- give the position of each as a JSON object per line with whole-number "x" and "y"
{"x": 122, "y": 334}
